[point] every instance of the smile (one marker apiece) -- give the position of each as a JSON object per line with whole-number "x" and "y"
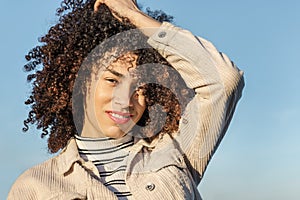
{"x": 119, "y": 117}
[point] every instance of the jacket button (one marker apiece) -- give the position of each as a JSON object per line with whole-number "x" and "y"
{"x": 150, "y": 186}
{"x": 162, "y": 34}
{"x": 185, "y": 121}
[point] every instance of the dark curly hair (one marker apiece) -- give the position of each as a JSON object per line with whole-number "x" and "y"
{"x": 54, "y": 67}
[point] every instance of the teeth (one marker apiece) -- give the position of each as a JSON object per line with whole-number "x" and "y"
{"x": 119, "y": 116}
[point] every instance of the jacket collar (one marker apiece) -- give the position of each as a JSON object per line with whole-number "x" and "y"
{"x": 68, "y": 156}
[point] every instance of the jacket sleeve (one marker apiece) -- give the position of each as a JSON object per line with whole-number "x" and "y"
{"x": 217, "y": 83}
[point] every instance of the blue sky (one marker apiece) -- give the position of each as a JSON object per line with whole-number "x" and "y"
{"x": 259, "y": 156}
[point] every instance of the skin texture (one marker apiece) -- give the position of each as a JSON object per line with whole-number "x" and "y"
{"x": 53, "y": 69}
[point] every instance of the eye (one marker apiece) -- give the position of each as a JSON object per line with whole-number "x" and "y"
{"x": 112, "y": 81}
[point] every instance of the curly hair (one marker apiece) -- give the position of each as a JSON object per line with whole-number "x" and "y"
{"x": 54, "y": 67}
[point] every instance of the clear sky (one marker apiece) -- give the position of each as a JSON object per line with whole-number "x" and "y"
{"x": 258, "y": 158}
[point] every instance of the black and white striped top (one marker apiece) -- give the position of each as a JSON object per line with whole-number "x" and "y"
{"x": 110, "y": 157}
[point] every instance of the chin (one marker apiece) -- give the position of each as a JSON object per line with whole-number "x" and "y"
{"x": 115, "y": 132}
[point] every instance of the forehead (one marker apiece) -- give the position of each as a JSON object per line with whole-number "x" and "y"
{"x": 124, "y": 63}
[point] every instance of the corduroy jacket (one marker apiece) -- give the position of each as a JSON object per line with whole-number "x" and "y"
{"x": 168, "y": 167}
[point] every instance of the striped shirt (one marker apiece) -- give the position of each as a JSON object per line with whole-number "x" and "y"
{"x": 109, "y": 156}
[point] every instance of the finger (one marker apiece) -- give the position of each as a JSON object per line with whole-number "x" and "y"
{"x": 97, "y": 5}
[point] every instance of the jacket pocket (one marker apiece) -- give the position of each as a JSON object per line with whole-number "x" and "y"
{"x": 66, "y": 195}
{"x": 170, "y": 181}
{"x": 164, "y": 158}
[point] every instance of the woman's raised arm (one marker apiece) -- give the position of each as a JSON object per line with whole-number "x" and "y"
{"x": 129, "y": 10}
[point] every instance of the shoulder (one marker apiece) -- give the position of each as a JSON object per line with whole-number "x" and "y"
{"x": 50, "y": 164}
{"x": 29, "y": 182}
{"x": 38, "y": 181}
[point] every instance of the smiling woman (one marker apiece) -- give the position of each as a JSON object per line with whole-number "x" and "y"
{"x": 137, "y": 105}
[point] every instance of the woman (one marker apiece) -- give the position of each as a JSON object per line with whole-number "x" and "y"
{"x": 138, "y": 131}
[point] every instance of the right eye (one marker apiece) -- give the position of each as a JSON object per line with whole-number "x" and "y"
{"x": 112, "y": 81}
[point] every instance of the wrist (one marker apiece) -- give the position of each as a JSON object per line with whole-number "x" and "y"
{"x": 147, "y": 24}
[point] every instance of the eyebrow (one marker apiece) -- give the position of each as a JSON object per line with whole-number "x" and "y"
{"x": 115, "y": 72}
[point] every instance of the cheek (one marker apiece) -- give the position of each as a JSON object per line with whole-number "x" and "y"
{"x": 102, "y": 97}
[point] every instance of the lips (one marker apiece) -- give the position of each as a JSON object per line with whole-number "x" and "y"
{"x": 119, "y": 117}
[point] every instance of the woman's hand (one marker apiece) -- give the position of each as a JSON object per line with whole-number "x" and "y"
{"x": 124, "y": 8}
{"x": 129, "y": 9}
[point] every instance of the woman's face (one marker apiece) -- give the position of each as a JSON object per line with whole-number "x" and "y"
{"x": 118, "y": 106}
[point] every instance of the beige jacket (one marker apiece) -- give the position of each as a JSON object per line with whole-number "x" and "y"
{"x": 167, "y": 168}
